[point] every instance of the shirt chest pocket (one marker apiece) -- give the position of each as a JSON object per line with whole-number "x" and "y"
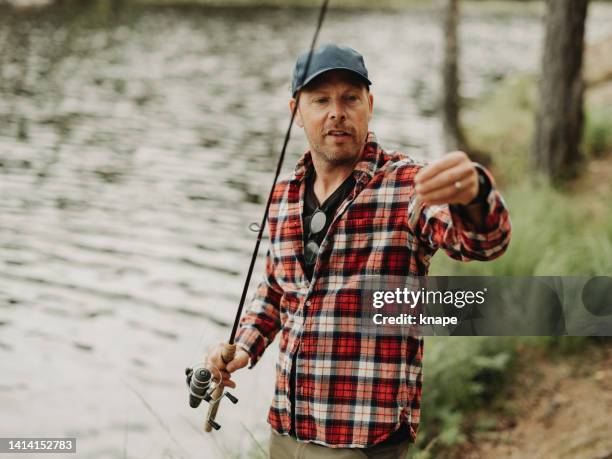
{"x": 365, "y": 232}
{"x": 355, "y": 234}
{"x": 361, "y": 245}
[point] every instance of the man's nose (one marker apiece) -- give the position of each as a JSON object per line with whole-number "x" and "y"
{"x": 337, "y": 110}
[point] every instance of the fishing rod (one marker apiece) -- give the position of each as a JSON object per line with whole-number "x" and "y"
{"x": 202, "y": 381}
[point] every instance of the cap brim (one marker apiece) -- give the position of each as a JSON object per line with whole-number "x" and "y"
{"x": 322, "y": 71}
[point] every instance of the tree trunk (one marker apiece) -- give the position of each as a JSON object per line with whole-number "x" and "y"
{"x": 453, "y": 134}
{"x": 560, "y": 115}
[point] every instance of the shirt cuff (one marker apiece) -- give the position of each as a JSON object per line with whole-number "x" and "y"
{"x": 252, "y": 341}
{"x": 460, "y": 216}
{"x": 484, "y": 185}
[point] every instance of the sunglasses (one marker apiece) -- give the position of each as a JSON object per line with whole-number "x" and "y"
{"x": 316, "y": 225}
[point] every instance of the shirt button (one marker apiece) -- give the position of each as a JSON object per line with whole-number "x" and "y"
{"x": 308, "y": 303}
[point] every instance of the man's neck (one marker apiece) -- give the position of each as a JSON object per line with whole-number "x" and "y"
{"x": 330, "y": 176}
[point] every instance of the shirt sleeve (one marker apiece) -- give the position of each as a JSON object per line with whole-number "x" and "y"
{"x": 449, "y": 227}
{"x": 261, "y": 322}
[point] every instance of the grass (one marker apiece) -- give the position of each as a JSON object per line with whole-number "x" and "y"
{"x": 598, "y": 131}
{"x": 554, "y": 232}
{"x": 502, "y": 124}
{"x": 459, "y": 372}
{"x": 465, "y": 383}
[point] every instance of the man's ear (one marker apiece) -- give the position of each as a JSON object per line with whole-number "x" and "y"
{"x": 371, "y": 100}
{"x": 298, "y": 115}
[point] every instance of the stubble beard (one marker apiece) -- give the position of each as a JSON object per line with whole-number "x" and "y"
{"x": 337, "y": 157}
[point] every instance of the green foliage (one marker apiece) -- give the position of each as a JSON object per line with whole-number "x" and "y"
{"x": 460, "y": 374}
{"x": 598, "y": 131}
{"x": 464, "y": 374}
{"x": 553, "y": 233}
{"x": 502, "y": 124}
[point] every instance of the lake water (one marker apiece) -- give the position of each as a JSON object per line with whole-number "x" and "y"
{"x": 136, "y": 146}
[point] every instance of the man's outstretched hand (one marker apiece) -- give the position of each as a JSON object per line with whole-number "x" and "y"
{"x": 452, "y": 179}
{"x": 240, "y": 360}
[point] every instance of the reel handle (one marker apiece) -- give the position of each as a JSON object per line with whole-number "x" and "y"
{"x": 227, "y": 354}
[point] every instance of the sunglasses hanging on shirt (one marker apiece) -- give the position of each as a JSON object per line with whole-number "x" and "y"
{"x": 317, "y": 224}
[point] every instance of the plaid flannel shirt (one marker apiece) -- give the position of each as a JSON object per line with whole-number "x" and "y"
{"x": 354, "y": 390}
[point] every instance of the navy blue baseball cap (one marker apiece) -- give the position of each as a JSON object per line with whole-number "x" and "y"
{"x": 325, "y": 58}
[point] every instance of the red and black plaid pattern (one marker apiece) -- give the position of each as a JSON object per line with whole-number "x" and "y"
{"x": 354, "y": 389}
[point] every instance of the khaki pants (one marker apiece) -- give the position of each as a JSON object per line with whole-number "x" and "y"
{"x": 286, "y": 447}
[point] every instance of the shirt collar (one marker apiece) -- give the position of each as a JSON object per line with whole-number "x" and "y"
{"x": 363, "y": 171}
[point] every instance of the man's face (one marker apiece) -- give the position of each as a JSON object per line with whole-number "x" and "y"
{"x": 334, "y": 110}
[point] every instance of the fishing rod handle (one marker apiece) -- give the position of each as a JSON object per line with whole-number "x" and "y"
{"x": 227, "y": 354}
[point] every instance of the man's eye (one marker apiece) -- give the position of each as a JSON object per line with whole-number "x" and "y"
{"x": 351, "y": 98}
{"x": 321, "y": 100}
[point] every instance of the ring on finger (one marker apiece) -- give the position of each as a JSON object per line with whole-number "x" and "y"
{"x": 458, "y": 185}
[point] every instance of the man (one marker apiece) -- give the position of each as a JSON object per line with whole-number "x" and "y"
{"x": 352, "y": 210}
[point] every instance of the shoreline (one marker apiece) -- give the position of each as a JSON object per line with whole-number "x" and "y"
{"x": 528, "y": 6}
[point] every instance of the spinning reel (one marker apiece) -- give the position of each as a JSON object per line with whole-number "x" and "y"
{"x": 203, "y": 386}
